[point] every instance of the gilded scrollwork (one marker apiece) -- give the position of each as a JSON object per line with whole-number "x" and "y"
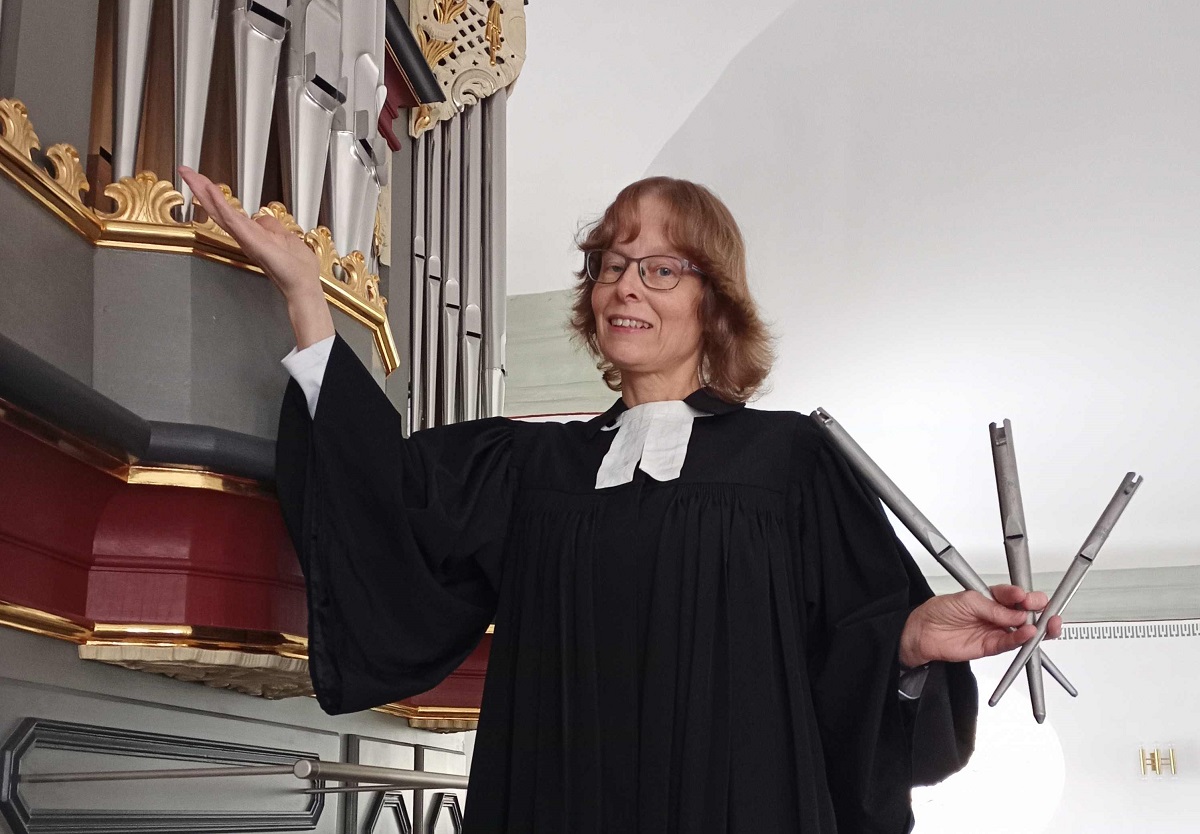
{"x": 354, "y": 273}
{"x": 433, "y": 49}
{"x": 16, "y": 129}
{"x": 67, "y": 170}
{"x": 422, "y": 119}
{"x": 279, "y": 212}
{"x": 320, "y": 240}
{"x": 494, "y": 32}
{"x": 143, "y": 199}
{"x": 209, "y": 226}
{"x": 447, "y": 10}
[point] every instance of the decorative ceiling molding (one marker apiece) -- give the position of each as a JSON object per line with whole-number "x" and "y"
{"x": 475, "y": 48}
{"x": 143, "y": 220}
{"x": 1131, "y": 631}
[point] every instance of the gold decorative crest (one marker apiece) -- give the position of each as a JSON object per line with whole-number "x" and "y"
{"x": 209, "y": 226}
{"x": 143, "y": 199}
{"x": 354, "y": 273}
{"x": 16, "y": 129}
{"x": 67, "y": 170}
{"x": 279, "y": 212}
{"x": 320, "y": 240}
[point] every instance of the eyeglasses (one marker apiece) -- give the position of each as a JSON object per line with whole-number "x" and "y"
{"x": 658, "y": 272}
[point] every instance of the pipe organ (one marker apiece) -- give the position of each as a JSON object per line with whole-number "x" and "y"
{"x": 140, "y": 388}
{"x": 331, "y": 101}
{"x": 333, "y": 158}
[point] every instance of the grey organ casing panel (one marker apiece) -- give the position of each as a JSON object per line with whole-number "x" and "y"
{"x": 51, "y": 68}
{"x": 45, "y": 284}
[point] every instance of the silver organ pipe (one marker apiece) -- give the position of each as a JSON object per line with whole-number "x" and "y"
{"x": 313, "y": 89}
{"x": 195, "y": 33}
{"x": 420, "y": 225}
{"x": 451, "y": 302}
{"x": 258, "y": 30}
{"x": 433, "y": 274}
{"x": 494, "y": 252}
{"x": 357, "y": 154}
{"x": 132, "y": 48}
{"x": 469, "y": 260}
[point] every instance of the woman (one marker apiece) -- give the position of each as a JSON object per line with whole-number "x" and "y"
{"x": 703, "y": 619}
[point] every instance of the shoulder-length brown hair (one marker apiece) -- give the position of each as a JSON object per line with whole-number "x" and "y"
{"x": 736, "y": 351}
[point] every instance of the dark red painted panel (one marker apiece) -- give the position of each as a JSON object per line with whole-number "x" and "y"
{"x": 398, "y": 97}
{"x": 80, "y": 543}
{"x": 49, "y": 506}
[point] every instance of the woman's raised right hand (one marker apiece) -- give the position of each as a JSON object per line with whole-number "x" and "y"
{"x": 283, "y": 256}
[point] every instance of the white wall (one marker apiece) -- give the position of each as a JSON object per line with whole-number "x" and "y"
{"x": 1078, "y": 773}
{"x": 604, "y": 86}
{"x": 957, "y": 212}
{"x": 960, "y": 212}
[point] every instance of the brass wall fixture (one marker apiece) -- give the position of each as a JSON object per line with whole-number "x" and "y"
{"x": 1157, "y": 762}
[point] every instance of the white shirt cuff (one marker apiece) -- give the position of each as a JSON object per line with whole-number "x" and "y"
{"x": 307, "y": 367}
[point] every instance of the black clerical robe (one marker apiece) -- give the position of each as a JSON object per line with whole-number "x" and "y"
{"x": 715, "y": 653}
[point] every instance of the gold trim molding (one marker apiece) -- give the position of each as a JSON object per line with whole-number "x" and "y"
{"x": 266, "y": 664}
{"x": 143, "y": 220}
{"x": 42, "y": 622}
{"x": 122, "y": 469}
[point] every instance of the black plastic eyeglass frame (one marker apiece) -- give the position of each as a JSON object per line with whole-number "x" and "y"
{"x": 684, "y": 266}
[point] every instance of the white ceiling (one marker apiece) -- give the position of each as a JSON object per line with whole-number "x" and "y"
{"x": 956, "y": 213}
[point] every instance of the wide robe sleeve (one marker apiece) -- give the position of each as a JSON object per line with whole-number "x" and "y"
{"x": 400, "y": 539}
{"x": 860, "y": 586}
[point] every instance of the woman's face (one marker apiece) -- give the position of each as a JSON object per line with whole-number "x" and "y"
{"x": 645, "y": 332}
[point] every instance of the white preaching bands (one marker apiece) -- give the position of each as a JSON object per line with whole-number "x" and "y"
{"x": 654, "y": 435}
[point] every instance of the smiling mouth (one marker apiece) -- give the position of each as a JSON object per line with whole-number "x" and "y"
{"x": 631, "y": 324}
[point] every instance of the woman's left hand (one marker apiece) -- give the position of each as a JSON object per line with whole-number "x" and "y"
{"x": 968, "y": 625}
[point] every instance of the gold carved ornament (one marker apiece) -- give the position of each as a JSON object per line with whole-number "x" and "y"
{"x": 59, "y": 191}
{"x": 494, "y": 32}
{"x": 67, "y": 170}
{"x": 15, "y": 128}
{"x": 143, "y": 219}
